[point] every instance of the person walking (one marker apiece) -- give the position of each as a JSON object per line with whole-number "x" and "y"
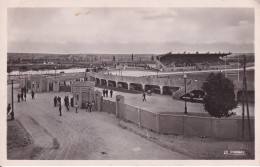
{"x": 72, "y": 102}
{"x": 22, "y": 96}
{"x": 8, "y": 108}
{"x": 106, "y": 93}
{"x": 25, "y": 96}
{"x": 144, "y": 99}
{"x": 32, "y": 94}
{"x": 18, "y": 97}
{"x": 86, "y": 105}
{"x": 60, "y": 109}
{"x": 55, "y": 101}
{"x": 90, "y": 106}
{"x": 111, "y": 93}
{"x": 59, "y": 100}
{"x": 76, "y": 106}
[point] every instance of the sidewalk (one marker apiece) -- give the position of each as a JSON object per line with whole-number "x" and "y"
{"x": 194, "y": 147}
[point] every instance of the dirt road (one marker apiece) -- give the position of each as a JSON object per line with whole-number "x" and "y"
{"x": 85, "y": 136}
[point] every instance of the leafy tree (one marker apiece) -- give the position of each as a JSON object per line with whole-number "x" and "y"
{"x": 219, "y": 100}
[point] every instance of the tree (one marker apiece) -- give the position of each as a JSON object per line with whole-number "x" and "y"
{"x": 152, "y": 58}
{"x": 220, "y": 98}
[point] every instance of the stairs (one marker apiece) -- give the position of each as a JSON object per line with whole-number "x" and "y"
{"x": 191, "y": 85}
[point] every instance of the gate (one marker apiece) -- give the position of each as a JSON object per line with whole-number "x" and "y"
{"x": 88, "y": 96}
{"x": 51, "y": 86}
{"x": 63, "y": 86}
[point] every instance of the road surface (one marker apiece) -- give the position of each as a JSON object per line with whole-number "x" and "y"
{"x": 82, "y": 136}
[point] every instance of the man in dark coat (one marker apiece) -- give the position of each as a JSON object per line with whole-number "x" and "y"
{"x": 32, "y": 94}
{"x": 22, "y": 96}
{"x": 72, "y": 102}
{"x": 8, "y": 108}
{"x": 86, "y": 105}
{"x": 60, "y": 109}
{"x": 106, "y": 93}
{"x": 111, "y": 93}
{"x": 18, "y": 97}
{"x": 55, "y": 101}
{"x": 144, "y": 99}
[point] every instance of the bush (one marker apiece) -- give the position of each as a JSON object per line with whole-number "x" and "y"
{"x": 220, "y": 98}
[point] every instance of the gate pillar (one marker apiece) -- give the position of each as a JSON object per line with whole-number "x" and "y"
{"x": 120, "y": 107}
{"x": 98, "y": 100}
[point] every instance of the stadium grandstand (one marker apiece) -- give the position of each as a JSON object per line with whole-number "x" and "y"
{"x": 190, "y": 61}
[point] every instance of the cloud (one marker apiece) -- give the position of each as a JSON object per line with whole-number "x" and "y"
{"x": 128, "y": 29}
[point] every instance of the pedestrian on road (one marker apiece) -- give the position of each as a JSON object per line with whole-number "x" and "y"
{"x": 55, "y": 101}
{"x": 72, "y": 102}
{"x": 25, "y": 96}
{"x": 18, "y": 97}
{"x": 32, "y": 94}
{"x": 111, "y": 93}
{"x": 90, "y": 105}
{"x": 22, "y": 96}
{"x": 76, "y": 106}
{"x": 104, "y": 93}
{"x": 8, "y": 108}
{"x": 144, "y": 99}
{"x": 60, "y": 109}
{"x": 59, "y": 100}
{"x": 86, "y": 105}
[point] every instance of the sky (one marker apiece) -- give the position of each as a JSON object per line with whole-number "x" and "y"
{"x": 130, "y": 30}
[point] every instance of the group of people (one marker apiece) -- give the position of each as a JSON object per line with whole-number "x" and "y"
{"x": 105, "y": 93}
{"x": 89, "y": 105}
{"x": 67, "y": 103}
{"x": 57, "y": 101}
{"x": 23, "y": 94}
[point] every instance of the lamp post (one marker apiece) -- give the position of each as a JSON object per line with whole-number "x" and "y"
{"x": 55, "y": 72}
{"x": 185, "y": 109}
{"x": 12, "y": 113}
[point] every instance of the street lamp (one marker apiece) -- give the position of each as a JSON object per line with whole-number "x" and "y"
{"x": 185, "y": 109}
{"x": 55, "y": 72}
{"x": 12, "y": 113}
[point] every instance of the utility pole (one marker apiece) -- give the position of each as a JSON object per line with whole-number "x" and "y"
{"x": 245, "y": 97}
{"x": 238, "y": 69}
{"x": 12, "y": 113}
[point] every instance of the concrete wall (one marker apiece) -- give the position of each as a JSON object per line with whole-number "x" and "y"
{"x": 224, "y": 128}
{"x": 149, "y": 120}
{"x": 171, "y": 124}
{"x": 132, "y": 114}
{"x": 197, "y": 126}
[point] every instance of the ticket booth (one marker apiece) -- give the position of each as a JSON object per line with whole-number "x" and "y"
{"x": 84, "y": 91}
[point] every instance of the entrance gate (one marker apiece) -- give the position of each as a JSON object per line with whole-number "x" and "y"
{"x": 63, "y": 86}
{"x": 51, "y": 86}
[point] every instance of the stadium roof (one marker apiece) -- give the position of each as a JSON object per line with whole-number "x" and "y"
{"x": 195, "y": 54}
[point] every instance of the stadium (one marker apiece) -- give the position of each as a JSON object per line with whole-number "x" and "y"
{"x": 190, "y": 61}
